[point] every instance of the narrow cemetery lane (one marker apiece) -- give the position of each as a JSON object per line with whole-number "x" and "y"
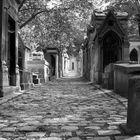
{"x": 66, "y": 109}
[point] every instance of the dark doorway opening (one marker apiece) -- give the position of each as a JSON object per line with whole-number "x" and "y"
{"x": 72, "y": 65}
{"x": 134, "y": 55}
{"x": 53, "y": 63}
{"x": 11, "y": 51}
{"x": 20, "y": 64}
{"x": 111, "y": 49}
{"x": 64, "y": 64}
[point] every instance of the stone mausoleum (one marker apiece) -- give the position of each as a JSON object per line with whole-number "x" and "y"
{"x": 134, "y": 49}
{"x": 106, "y": 43}
{"x": 52, "y": 56}
{"x": 9, "y": 70}
{"x": 39, "y": 67}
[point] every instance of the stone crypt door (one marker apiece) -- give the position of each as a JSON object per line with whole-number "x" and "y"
{"x": 111, "y": 52}
{"x": 11, "y": 52}
{"x": 111, "y": 49}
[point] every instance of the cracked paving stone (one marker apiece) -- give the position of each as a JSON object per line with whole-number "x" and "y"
{"x": 101, "y": 138}
{"x": 66, "y": 134}
{"x": 88, "y": 134}
{"x": 69, "y": 128}
{"x": 36, "y": 134}
{"x": 116, "y": 122}
{"x": 74, "y": 138}
{"x": 24, "y": 138}
{"x": 55, "y": 135}
{"x": 113, "y": 127}
{"x": 33, "y": 123}
{"x": 121, "y": 137}
{"x": 3, "y": 138}
{"x": 89, "y": 138}
{"x": 2, "y": 125}
{"x": 78, "y": 133}
{"x": 108, "y": 132}
{"x": 51, "y": 138}
{"x": 137, "y": 137}
{"x": 27, "y": 128}
{"x": 93, "y": 127}
{"x": 9, "y": 129}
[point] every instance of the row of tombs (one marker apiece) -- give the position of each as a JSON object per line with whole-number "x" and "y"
{"x": 106, "y": 44}
{"x": 17, "y": 70}
{"x": 110, "y": 56}
{"x": 14, "y": 54}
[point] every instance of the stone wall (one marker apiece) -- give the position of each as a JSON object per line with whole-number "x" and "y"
{"x": 104, "y": 25}
{"x": 9, "y": 51}
{"x": 122, "y": 74}
{"x": 39, "y": 67}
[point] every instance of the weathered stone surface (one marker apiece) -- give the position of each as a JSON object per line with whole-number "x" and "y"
{"x": 108, "y": 132}
{"x": 66, "y": 134}
{"x": 33, "y": 122}
{"x": 133, "y": 116}
{"x": 3, "y": 138}
{"x": 74, "y": 138}
{"x": 69, "y": 128}
{"x": 2, "y": 125}
{"x": 51, "y": 138}
{"x": 101, "y": 138}
{"x": 27, "y": 128}
{"x": 121, "y": 137}
{"x": 79, "y": 133}
{"x": 9, "y": 129}
{"x": 36, "y": 134}
{"x": 89, "y": 138}
{"x": 113, "y": 127}
{"x": 54, "y": 135}
{"x": 134, "y": 138}
{"x": 62, "y": 110}
{"x": 93, "y": 127}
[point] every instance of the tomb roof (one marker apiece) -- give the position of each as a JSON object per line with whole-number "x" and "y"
{"x": 116, "y": 13}
{"x": 104, "y": 13}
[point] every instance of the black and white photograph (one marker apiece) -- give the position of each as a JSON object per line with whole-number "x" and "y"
{"x": 69, "y": 69}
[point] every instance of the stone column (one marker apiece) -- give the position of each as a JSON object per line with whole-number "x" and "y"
{"x": 133, "y": 112}
{"x": 17, "y": 76}
{"x": 56, "y": 66}
{"x": 4, "y": 42}
{"x": 125, "y": 53}
{"x": 1, "y": 68}
{"x": 17, "y": 66}
{"x": 5, "y": 74}
{"x": 63, "y": 59}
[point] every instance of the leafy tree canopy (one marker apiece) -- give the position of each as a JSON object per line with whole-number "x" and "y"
{"x": 54, "y": 23}
{"x": 63, "y": 23}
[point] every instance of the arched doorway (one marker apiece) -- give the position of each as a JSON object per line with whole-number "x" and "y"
{"x": 53, "y": 63}
{"x": 12, "y": 51}
{"x": 111, "y": 49}
{"x": 134, "y": 55}
{"x": 110, "y": 53}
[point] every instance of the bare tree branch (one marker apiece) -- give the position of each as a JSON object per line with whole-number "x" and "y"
{"x": 34, "y": 15}
{"x": 31, "y": 18}
{"x": 27, "y": 9}
{"x": 23, "y": 1}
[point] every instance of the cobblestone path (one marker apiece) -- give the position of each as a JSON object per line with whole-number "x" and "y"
{"x": 67, "y": 109}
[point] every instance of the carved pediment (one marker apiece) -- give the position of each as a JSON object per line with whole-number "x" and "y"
{"x": 111, "y": 23}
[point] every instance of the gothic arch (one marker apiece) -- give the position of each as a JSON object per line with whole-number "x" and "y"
{"x": 134, "y": 55}
{"x": 111, "y": 48}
